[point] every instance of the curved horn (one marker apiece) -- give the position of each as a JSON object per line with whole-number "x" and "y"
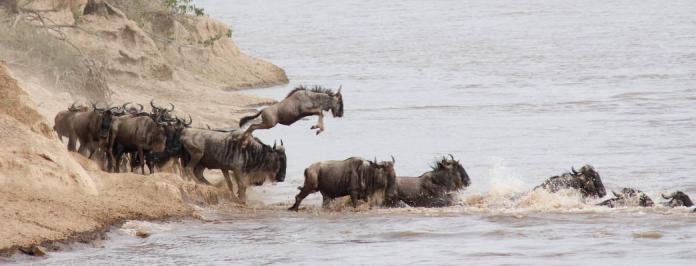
{"x": 171, "y": 110}
{"x": 339, "y": 89}
{"x": 189, "y": 122}
{"x": 616, "y": 195}
{"x": 141, "y": 107}
{"x": 664, "y": 197}
{"x": 573, "y": 169}
{"x": 125, "y": 105}
{"x": 153, "y": 104}
{"x": 274, "y": 144}
{"x": 281, "y": 143}
{"x": 393, "y": 160}
{"x": 451, "y": 157}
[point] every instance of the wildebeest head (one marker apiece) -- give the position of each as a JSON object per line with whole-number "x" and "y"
{"x": 384, "y": 170}
{"x": 281, "y": 161}
{"x": 450, "y": 174}
{"x": 160, "y": 114}
{"x": 337, "y": 103}
{"x": 104, "y": 117}
{"x": 678, "y": 199}
{"x": 591, "y": 182}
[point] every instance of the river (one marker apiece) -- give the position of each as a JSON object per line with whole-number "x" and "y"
{"x": 516, "y": 90}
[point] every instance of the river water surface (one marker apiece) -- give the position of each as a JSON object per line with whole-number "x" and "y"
{"x": 517, "y": 90}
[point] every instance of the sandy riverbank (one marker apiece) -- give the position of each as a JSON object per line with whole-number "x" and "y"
{"x": 50, "y": 195}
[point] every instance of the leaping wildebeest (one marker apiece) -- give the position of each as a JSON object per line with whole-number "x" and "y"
{"x": 587, "y": 181}
{"x": 251, "y": 163}
{"x": 355, "y": 177}
{"x": 433, "y": 188}
{"x": 299, "y": 103}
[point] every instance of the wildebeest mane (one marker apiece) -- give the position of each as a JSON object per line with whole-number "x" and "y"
{"x": 255, "y": 156}
{"x": 316, "y": 88}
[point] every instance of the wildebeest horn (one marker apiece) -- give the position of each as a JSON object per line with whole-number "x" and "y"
{"x": 393, "y": 160}
{"x": 616, "y": 195}
{"x": 665, "y": 197}
{"x": 572, "y": 168}
{"x": 375, "y": 161}
{"x": 152, "y": 104}
{"x": 451, "y": 157}
{"x": 171, "y": 110}
{"x": 125, "y": 105}
{"x": 141, "y": 107}
{"x": 189, "y": 122}
{"x": 274, "y": 144}
{"x": 281, "y": 143}
{"x": 339, "y": 89}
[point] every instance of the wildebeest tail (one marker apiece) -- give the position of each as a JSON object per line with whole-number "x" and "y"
{"x": 246, "y": 119}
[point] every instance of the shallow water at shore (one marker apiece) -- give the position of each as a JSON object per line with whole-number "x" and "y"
{"x": 518, "y": 90}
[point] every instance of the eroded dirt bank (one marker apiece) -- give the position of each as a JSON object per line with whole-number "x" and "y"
{"x": 48, "y": 194}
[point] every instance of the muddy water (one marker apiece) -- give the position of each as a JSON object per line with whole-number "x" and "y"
{"x": 518, "y": 90}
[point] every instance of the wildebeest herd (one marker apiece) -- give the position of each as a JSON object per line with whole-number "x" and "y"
{"x": 155, "y": 138}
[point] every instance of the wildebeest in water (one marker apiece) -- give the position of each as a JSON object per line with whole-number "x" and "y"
{"x": 587, "y": 181}
{"x": 299, "y": 103}
{"x": 433, "y": 188}
{"x": 355, "y": 177}
{"x": 678, "y": 199}
{"x": 251, "y": 164}
{"x": 628, "y": 197}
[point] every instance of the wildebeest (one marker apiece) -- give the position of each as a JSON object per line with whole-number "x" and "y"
{"x": 433, "y": 188}
{"x": 300, "y": 102}
{"x": 160, "y": 113}
{"x": 628, "y": 197}
{"x": 354, "y": 177}
{"x": 173, "y": 148}
{"x": 251, "y": 164}
{"x": 677, "y": 199}
{"x": 63, "y": 120}
{"x": 128, "y": 134}
{"x": 587, "y": 181}
{"x": 91, "y": 128}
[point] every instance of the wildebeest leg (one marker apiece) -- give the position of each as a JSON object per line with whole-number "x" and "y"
{"x": 320, "y": 122}
{"x": 354, "y": 198}
{"x": 141, "y": 156}
{"x": 198, "y": 173}
{"x": 311, "y": 183}
{"x": 193, "y": 163}
{"x": 71, "y": 142}
{"x": 241, "y": 188}
{"x": 325, "y": 200}
{"x": 263, "y": 125}
{"x": 226, "y": 174}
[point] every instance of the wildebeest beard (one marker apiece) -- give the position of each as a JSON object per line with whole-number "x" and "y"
{"x": 371, "y": 178}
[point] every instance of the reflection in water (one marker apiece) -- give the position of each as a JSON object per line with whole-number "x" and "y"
{"x": 517, "y": 90}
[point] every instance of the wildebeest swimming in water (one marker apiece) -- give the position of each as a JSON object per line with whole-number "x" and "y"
{"x": 587, "y": 181}
{"x": 355, "y": 177}
{"x": 251, "y": 164}
{"x": 628, "y": 197}
{"x": 677, "y": 199}
{"x": 299, "y": 103}
{"x": 433, "y": 188}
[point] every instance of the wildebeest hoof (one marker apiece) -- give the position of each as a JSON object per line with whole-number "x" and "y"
{"x": 314, "y": 127}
